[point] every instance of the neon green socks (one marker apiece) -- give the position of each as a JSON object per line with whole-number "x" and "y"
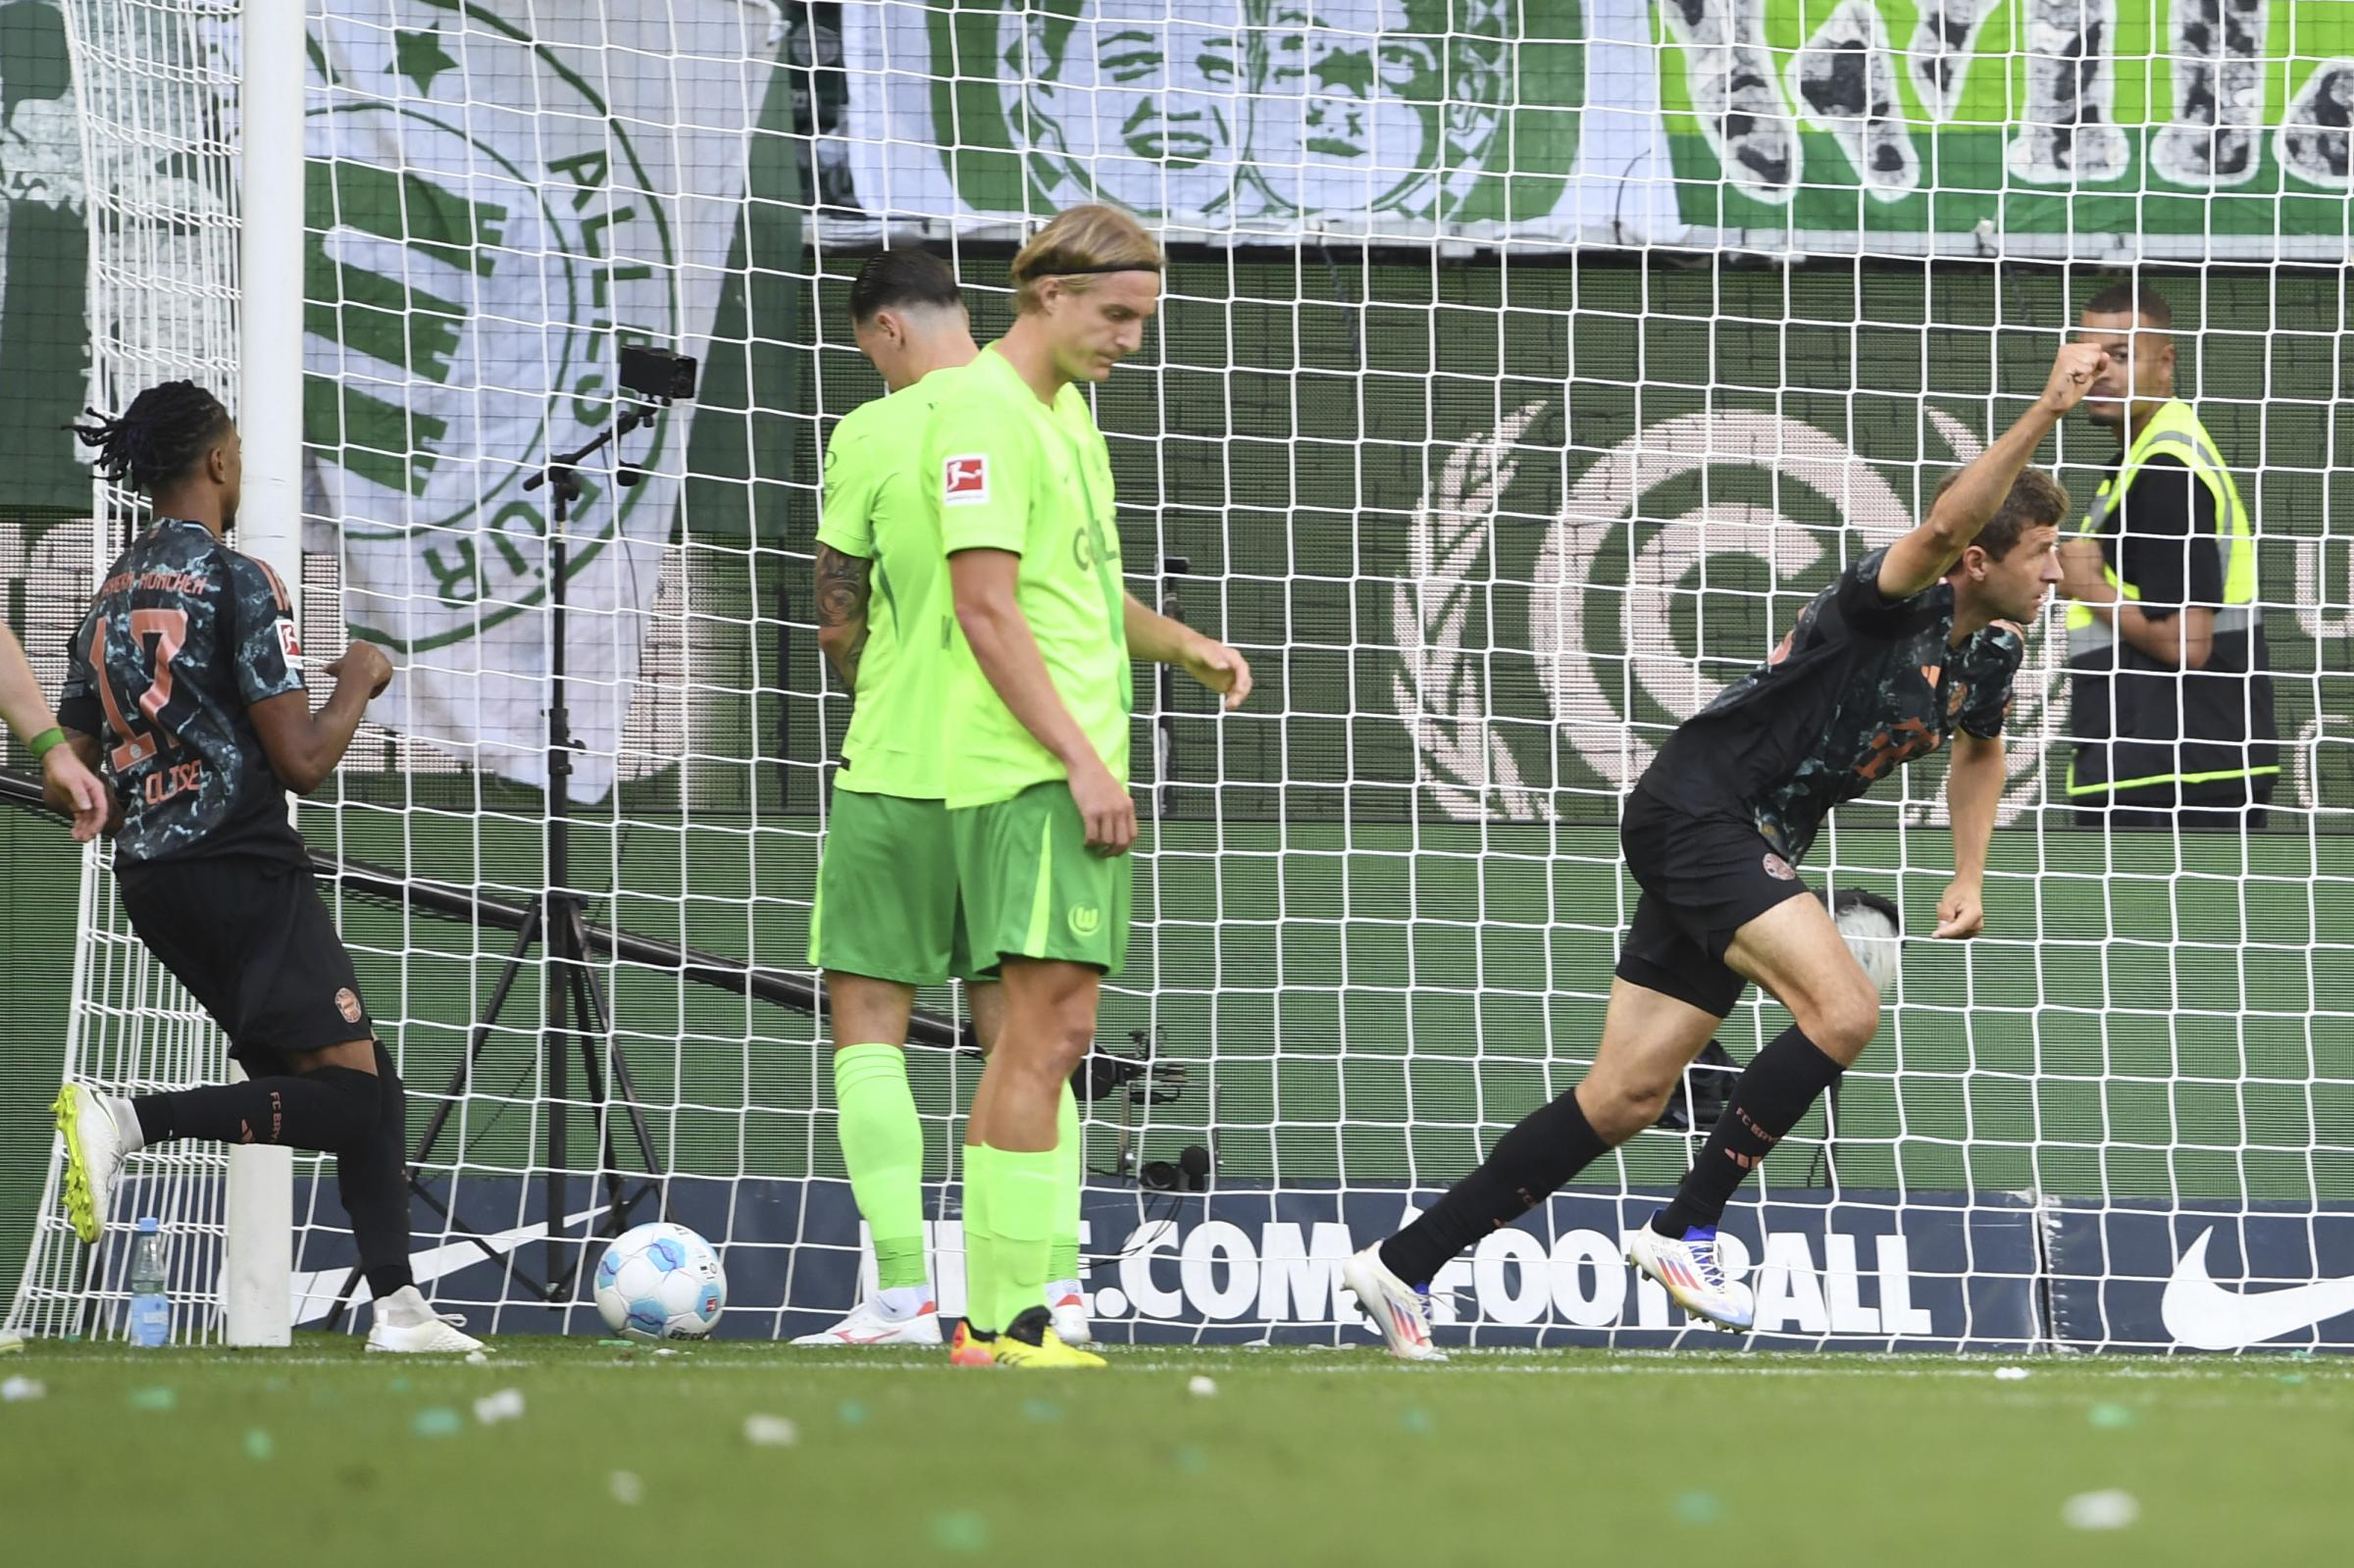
{"x": 981, "y": 1270}
{"x": 1025, "y": 1194}
{"x": 1070, "y": 1159}
{"x": 883, "y": 1146}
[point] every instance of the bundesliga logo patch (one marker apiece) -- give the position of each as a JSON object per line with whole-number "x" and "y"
{"x": 964, "y": 481}
{"x": 348, "y": 1004}
{"x": 1779, "y": 869}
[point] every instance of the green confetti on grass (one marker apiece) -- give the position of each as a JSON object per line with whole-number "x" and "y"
{"x": 154, "y": 1399}
{"x": 1041, "y": 1410}
{"x": 1699, "y": 1508}
{"x": 850, "y": 1413}
{"x": 1418, "y": 1422}
{"x": 1191, "y": 1459}
{"x": 2110, "y": 1417}
{"x": 436, "y": 1421}
{"x": 259, "y": 1444}
{"x": 961, "y": 1530}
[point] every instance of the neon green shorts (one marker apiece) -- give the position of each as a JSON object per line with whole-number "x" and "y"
{"x": 1031, "y": 886}
{"x": 886, "y": 902}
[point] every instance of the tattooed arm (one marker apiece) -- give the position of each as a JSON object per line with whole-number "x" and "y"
{"x": 841, "y": 595}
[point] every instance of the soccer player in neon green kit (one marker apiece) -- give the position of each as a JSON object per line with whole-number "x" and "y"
{"x": 885, "y": 915}
{"x": 884, "y": 920}
{"x": 1038, "y": 732}
{"x": 1039, "y": 714}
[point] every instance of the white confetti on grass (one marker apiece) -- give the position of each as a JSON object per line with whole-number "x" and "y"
{"x": 504, "y": 1405}
{"x": 770, "y": 1432}
{"x": 627, "y": 1489}
{"x": 1202, "y": 1388}
{"x": 2100, "y": 1510}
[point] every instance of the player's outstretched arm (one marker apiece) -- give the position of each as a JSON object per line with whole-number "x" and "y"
{"x": 303, "y": 747}
{"x": 844, "y": 587}
{"x": 67, "y": 777}
{"x": 984, "y": 582}
{"x": 1916, "y": 561}
{"x": 1974, "y": 788}
{"x": 1153, "y": 636}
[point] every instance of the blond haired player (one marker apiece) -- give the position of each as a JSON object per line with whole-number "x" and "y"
{"x": 1039, "y": 728}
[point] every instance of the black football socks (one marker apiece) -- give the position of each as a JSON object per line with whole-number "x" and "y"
{"x": 1777, "y": 1088}
{"x": 1528, "y": 1164}
{"x": 372, "y": 1178}
{"x": 331, "y": 1108}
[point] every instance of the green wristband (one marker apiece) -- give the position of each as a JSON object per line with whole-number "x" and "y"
{"x": 46, "y": 741}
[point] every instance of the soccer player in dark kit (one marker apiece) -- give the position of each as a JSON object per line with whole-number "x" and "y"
{"x": 187, "y": 683}
{"x": 1915, "y": 644}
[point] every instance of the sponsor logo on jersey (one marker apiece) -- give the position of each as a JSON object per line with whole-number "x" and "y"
{"x": 289, "y": 644}
{"x": 964, "y": 481}
{"x": 1779, "y": 869}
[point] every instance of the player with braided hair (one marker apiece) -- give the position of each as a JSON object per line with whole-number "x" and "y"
{"x": 186, "y": 683}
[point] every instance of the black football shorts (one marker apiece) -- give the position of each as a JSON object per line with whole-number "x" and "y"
{"x": 1703, "y": 875}
{"x": 252, "y": 941}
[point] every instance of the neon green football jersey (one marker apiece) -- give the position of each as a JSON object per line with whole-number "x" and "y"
{"x": 1006, "y": 472}
{"x": 876, "y": 508}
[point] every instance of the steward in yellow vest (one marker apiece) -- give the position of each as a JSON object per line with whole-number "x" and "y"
{"x": 2171, "y": 715}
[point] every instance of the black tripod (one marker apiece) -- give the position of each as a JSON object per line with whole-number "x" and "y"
{"x": 574, "y": 1015}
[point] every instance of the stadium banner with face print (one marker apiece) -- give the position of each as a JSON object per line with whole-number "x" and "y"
{"x": 2083, "y": 128}
{"x": 1351, "y": 117}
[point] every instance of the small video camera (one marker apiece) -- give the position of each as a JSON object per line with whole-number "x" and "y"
{"x": 651, "y": 372}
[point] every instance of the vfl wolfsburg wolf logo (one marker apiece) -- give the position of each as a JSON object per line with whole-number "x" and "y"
{"x": 1647, "y": 548}
{"x": 1277, "y": 109}
{"x": 470, "y": 271}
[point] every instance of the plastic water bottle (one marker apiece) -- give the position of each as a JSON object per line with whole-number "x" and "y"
{"x": 150, "y": 1307}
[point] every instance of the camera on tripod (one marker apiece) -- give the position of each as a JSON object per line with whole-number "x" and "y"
{"x": 1147, "y": 1082}
{"x": 1127, "y": 1079}
{"x": 657, "y": 372}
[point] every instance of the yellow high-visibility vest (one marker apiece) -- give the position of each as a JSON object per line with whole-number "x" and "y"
{"x": 2172, "y": 431}
{"x": 2175, "y": 431}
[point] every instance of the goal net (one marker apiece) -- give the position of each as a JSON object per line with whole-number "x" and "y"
{"x": 1521, "y": 370}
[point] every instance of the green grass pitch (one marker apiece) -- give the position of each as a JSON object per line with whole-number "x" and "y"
{"x": 622, "y": 1459}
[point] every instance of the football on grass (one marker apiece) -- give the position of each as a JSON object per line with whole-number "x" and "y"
{"x": 660, "y": 1281}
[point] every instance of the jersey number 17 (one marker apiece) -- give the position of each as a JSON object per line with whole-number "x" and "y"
{"x": 141, "y": 728}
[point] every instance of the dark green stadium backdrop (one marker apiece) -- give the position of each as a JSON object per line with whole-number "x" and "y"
{"x": 1368, "y": 979}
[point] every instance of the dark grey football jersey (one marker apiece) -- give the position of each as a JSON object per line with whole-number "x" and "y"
{"x": 183, "y": 638}
{"x": 1862, "y": 686}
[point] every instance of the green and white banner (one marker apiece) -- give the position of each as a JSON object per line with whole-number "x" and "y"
{"x": 499, "y": 196}
{"x": 1377, "y": 116}
{"x": 2098, "y": 129}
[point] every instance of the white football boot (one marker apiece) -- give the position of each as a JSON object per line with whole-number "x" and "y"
{"x": 1399, "y": 1311}
{"x": 1067, "y": 1304}
{"x": 1689, "y": 1272}
{"x": 95, "y": 1146}
{"x": 867, "y": 1325}
{"x": 405, "y": 1324}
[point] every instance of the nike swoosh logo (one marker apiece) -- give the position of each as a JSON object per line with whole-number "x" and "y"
{"x": 315, "y": 1293}
{"x": 2202, "y": 1314}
